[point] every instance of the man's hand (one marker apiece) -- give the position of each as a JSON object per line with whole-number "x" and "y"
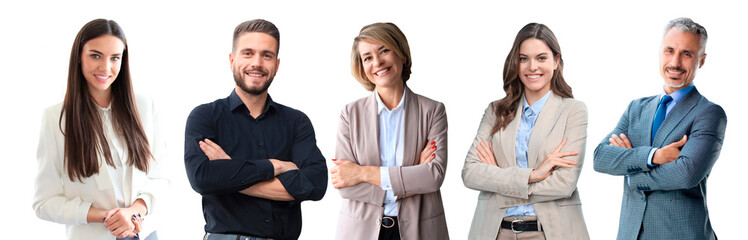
{"x": 282, "y": 166}
{"x": 346, "y": 173}
{"x": 620, "y": 141}
{"x": 212, "y": 150}
{"x": 669, "y": 153}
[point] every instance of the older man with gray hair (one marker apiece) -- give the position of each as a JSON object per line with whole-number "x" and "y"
{"x": 665, "y": 146}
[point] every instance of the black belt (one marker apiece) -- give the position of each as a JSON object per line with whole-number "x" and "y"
{"x": 518, "y": 226}
{"x": 389, "y": 222}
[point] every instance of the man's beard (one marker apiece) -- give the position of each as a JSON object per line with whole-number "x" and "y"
{"x": 252, "y": 91}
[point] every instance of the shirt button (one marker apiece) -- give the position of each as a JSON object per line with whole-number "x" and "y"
{"x": 267, "y": 220}
{"x": 260, "y": 144}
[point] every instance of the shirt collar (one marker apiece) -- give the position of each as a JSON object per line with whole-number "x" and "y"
{"x": 679, "y": 94}
{"x": 381, "y": 106}
{"x": 235, "y": 102}
{"x": 535, "y": 108}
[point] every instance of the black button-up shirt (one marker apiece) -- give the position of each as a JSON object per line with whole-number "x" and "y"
{"x": 279, "y": 132}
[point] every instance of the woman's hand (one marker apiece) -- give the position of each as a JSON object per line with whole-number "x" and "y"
{"x": 551, "y": 161}
{"x": 346, "y": 173}
{"x": 427, "y": 155}
{"x": 212, "y": 150}
{"x": 485, "y": 154}
{"x": 125, "y": 222}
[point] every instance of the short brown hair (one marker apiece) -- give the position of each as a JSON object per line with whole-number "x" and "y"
{"x": 257, "y": 25}
{"x": 387, "y": 34}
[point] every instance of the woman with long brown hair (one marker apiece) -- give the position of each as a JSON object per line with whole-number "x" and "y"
{"x": 97, "y": 172}
{"x": 527, "y": 155}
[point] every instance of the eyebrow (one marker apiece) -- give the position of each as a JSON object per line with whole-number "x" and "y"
{"x": 522, "y": 54}
{"x": 96, "y": 51}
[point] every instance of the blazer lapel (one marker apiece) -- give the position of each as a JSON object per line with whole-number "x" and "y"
{"x": 509, "y": 140}
{"x": 675, "y": 116}
{"x": 103, "y": 181}
{"x": 647, "y": 117}
{"x": 410, "y": 121}
{"x": 370, "y": 122}
{"x": 547, "y": 118}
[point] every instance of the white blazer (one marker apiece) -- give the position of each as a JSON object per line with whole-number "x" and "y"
{"x": 60, "y": 200}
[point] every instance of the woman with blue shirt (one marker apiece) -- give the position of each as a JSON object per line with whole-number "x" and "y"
{"x": 527, "y": 155}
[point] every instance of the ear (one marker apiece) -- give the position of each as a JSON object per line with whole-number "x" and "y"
{"x": 231, "y": 58}
{"x": 701, "y": 62}
{"x": 556, "y": 61}
{"x": 277, "y": 64}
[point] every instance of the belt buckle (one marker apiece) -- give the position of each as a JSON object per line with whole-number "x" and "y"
{"x": 391, "y": 219}
{"x": 516, "y": 221}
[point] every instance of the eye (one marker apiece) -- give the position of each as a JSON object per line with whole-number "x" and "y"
{"x": 268, "y": 56}
{"x": 385, "y": 51}
{"x": 247, "y": 53}
{"x": 115, "y": 58}
{"x": 687, "y": 54}
{"x": 95, "y": 56}
{"x": 543, "y": 58}
{"x": 523, "y": 59}
{"x": 366, "y": 59}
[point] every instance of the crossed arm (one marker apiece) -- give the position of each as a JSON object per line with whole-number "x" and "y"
{"x": 680, "y": 165}
{"x": 211, "y": 170}
{"x": 362, "y": 183}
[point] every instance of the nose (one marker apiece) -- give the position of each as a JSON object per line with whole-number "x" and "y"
{"x": 533, "y": 65}
{"x": 378, "y": 61}
{"x": 255, "y": 60}
{"x": 675, "y": 60}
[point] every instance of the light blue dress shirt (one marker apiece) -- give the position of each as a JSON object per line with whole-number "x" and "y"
{"x": 391, "y": 136}
{"x": 677, "y": 96}
{"x": 527, "y": 123}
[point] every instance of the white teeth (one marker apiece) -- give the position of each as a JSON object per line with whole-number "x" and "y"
{"x": 381, "y": 72}
{"x": 254, "y": 74}
{"x": 675, "y": 72}
{"x": 532, "y": 76}
{"x": 101, "y": 77}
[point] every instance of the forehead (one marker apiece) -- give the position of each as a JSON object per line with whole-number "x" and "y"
{"x": 105, "y": 44}
{"x": 532, "y": 46}
{"x": 257, "y": 41}
{"x": 679, "y": 39}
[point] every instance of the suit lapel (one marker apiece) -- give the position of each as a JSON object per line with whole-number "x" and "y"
{"x": 370, "y": 122}
{"x": 675, "y": 116}
{"x": 509, "y": 139}
{"x": 410, "y": 121}
{"x": 647, "y": 117}
{"x": 548, "y": 116}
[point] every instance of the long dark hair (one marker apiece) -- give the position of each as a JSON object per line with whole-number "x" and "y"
{"x": 83, "y": 130}
{"x": 506, "y": 108}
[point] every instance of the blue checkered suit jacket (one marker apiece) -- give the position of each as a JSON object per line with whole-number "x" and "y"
{"x": 667, "y": 201}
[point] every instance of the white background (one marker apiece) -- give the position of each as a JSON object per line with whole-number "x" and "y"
{"x": 179, "y": 56}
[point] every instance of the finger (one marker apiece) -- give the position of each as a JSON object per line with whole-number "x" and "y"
{"x": 561, "y": 145}
{"x": 431, "y": 149}
{"x": 565, "y": 154}
{"x": 480, "y": 154}
{"x": 626, "y": 140}
{"x": 618, "y": 140}
{"x": 559, "y": 161}
{"x": 682, "y": 141}
{"x": 613, "y": 142}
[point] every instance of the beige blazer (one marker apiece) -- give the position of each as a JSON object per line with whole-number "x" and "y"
{"x": 555, "y": 199}
{"x": 420, "y": 216}
{"x": 60, "y": 200}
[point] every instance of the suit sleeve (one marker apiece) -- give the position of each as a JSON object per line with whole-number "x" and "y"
{"x": 364, "y": 192}
{"x": 156, "y": 184}
{"x": 509, "y": 181}
{"x": 615, "y": 160}
{"x": 50, "y": 202}
{"x": 696, "y": 158}
{"x": 309, "y": 182}
{"x": 425, "y": 178}
{"x": 563, "y": 181}
{"x": 217, "y": 176}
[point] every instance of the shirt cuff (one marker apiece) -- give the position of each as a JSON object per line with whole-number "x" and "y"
{"x": 83, "y": 209}
{"x": 148, "y": 200}
{"x": 384, "y": 178}
{"x": 649, "y": 158}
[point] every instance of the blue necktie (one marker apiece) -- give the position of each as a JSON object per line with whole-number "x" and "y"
{"x": 660, "y": 115}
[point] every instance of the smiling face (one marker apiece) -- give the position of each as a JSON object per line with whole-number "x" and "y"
{"x": 536, "y": 66}
{"x": 381, "y": 65}
{"x": 100, "y": 63}
{"x": 254, "y": 62}
{"x": 680, "y": 57}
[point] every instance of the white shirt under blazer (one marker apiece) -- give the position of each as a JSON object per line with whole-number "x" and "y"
{"x": 60, "y": 200}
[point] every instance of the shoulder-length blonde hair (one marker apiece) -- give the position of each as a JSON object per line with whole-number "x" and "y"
{"x": 506, "y": 108}
{"x": 387, "y": 34}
